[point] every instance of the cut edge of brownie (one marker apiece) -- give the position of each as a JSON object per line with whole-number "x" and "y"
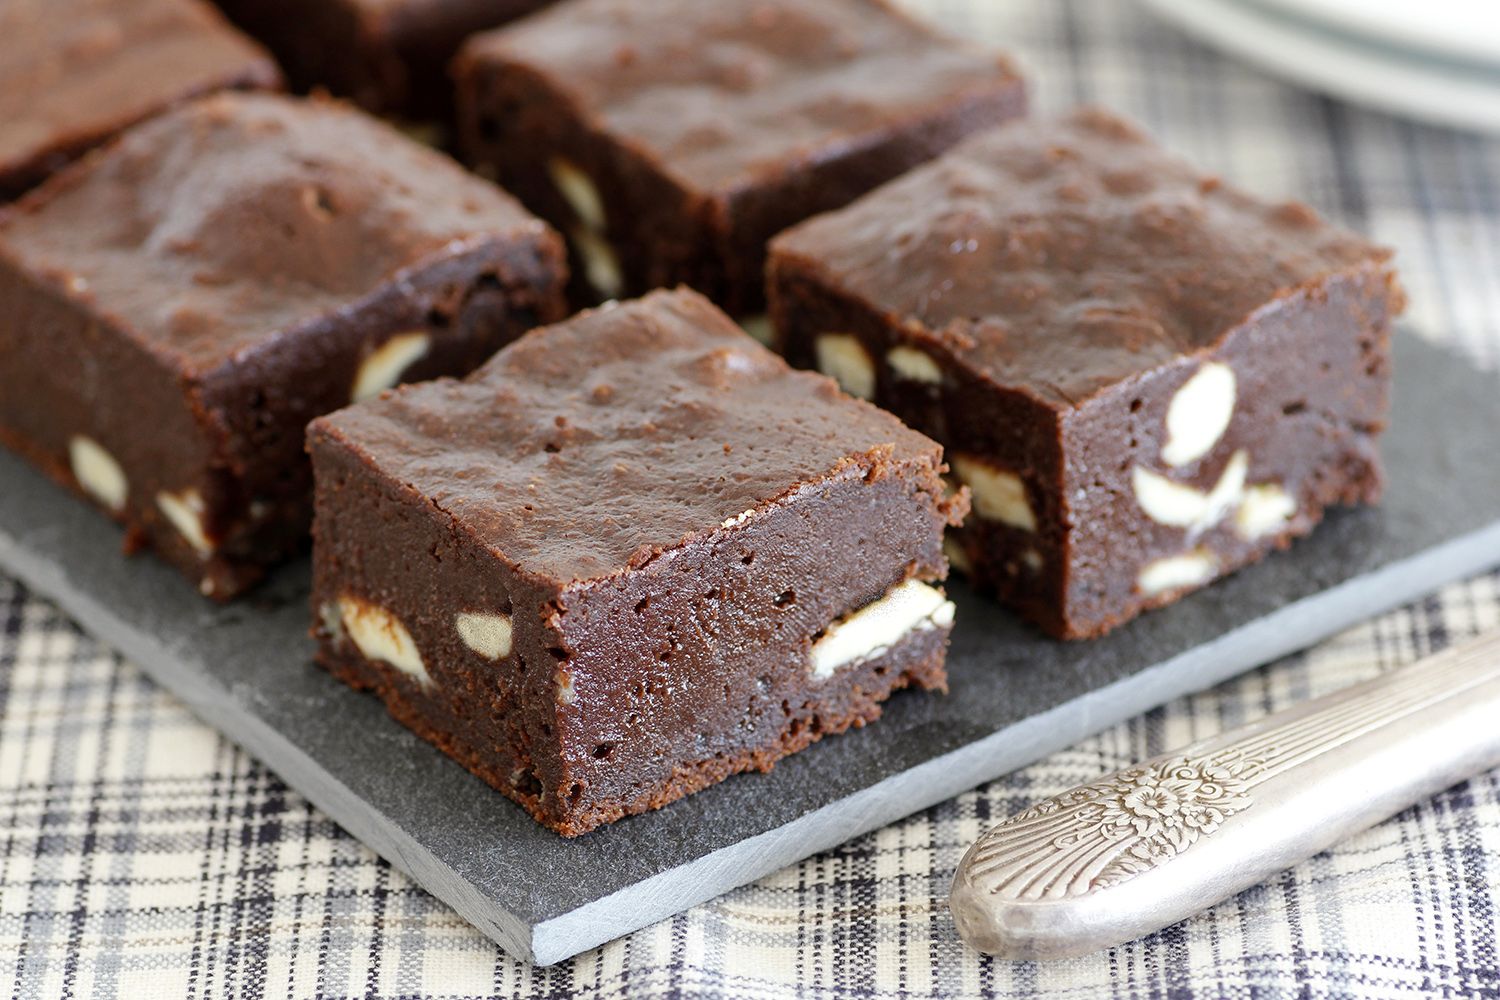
{"x": 852, "y": 702}
{"x": 839, "y": 695}
{"x": 254, "y": 510}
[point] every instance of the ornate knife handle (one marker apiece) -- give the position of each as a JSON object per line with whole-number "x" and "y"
{"x": 1155, "y": 843}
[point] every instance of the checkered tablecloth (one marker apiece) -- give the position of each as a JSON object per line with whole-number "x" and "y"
{"x": 143, "y": 855}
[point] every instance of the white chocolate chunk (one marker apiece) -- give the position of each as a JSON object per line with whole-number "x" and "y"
{"x": 1178, "y": 505}
{"x": 332, "y": 620}
{"x": 185, "y": 511}
{"x": 566, "y": 694}
{"x": 905, "y": 609}
{"x": 578, "y": 191}
{"x": 427, "y": 133}
{"x": 846, "y": 359}
{"x": 1266, "y": 508}
{"x": 601, "y": 266}
{"x": 943, "y": 616}
{"x": 957, "y": 557}
{"x": 999, "y": 495}
{"x": 1229, "y": 490}
{"x": 737, "y": 520}
{"x": 380, "y": 635}
{"x": 1199, "y": 414}
{"x": 914, "y": 365}
{"x": 489, "y": 635}
{"x": 760, "y": 328}
{"x": 385, "y": 365}
{"x": 1190, "y": 569}
{"x": 1032, "y": 560}
{"x": 1166, "y": 502}
{"x": 909, "y": 607}
{"x": 97, "y": 472}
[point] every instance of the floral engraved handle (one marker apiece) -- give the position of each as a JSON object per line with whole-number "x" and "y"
{"x": 1154, "y": 843}
{"x": 1113, "y": 829}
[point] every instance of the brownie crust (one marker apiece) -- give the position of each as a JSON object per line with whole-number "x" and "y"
{"x": 75, "y": 72}
{"x": 667, "y": 534}
{"x": 189, "y": 298}
{"x": 697, "y": 131}
{"x": 1041, "y": 298}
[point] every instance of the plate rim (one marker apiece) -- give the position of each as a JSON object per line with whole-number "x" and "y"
{"x": 1340, "y": 66}
{"x": 1393, "y": 24}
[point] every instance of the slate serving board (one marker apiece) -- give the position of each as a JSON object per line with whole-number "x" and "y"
{"x": 1016, "y": 695}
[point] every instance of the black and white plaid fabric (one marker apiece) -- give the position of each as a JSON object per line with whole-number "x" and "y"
{"x": 142, "y": 855}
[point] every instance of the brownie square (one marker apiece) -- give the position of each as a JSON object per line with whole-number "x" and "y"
{"x": 1147, "y": 377}
{"x": 179, "y": 304}
{"x": 390, "y": 56}
{"x": 75, "y": 72}
{"x": 670, "y": 140}
{"x": 602, "y": 587}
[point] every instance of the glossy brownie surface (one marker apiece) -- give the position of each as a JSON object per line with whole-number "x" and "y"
{"x": 1038, "y": 300}
{"x": 190, "y": 296}
{"x": 74, "y": 72}
{"x": 666, "y": 531}
{"x": 622, "y": 434}
{"x": 720, "y": 93}
{"x": 214, "y": 230}
{"x": 1059, "y": 258}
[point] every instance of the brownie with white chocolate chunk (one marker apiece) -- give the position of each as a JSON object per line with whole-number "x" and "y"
{"x": 1147, "y": 377}
{"x": 182, "y": 302}
{"x": 670, "y": 139}
{"x": 602, "y": 587}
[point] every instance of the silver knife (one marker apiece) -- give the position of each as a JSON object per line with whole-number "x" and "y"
{"x": 1153, "y": 844}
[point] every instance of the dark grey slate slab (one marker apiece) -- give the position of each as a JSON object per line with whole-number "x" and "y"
{"x": 1016, "y": 696}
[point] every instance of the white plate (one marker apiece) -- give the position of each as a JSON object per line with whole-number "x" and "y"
{"x": 1454, "y": 29}
{"x": 1403, "y": 81}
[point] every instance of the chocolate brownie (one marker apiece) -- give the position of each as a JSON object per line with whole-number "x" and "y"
{"x": 670, "y": 140}
{"x": 75, "y": 72}
{"x": 389, "y": 55}
{"x": 179, "y": 304}
{"x": 1147, "y": 377}
{"x": 602, "y": 587}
